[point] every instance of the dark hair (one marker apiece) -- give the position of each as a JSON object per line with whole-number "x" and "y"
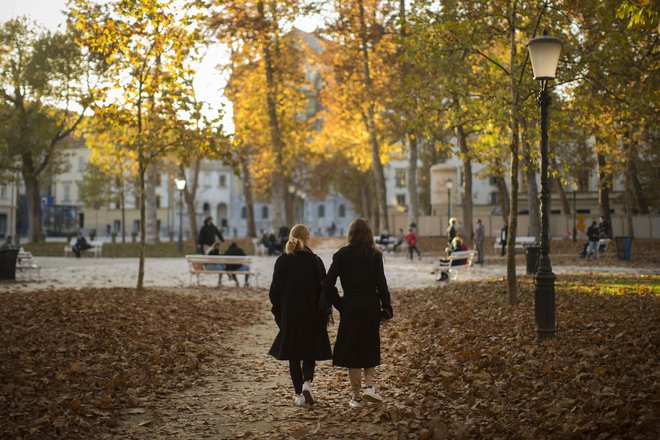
{"x": 207, "y": 220}
{"x": 360, "y": 235}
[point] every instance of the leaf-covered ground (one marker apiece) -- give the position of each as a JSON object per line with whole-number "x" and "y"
{"x": 457, "y": 363}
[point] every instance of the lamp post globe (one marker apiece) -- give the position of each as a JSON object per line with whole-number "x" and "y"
{"x": 544, "y": 54}
{"x": 180, "y": 185}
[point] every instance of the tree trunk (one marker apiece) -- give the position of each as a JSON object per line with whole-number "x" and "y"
{"x": 429, "y": 157}
{"x": 604, "y": 183}
{"x": 152, "y": 218}
{"x": 189, "y": 194}
{"x": 122, "y": 205}
{"x": 503, "y": 191}
{"x": 35, "y": 225}
{"x": 377, "y": 166}
{"x": 247, "y": 192}
{"x": 413, "y": 197}
{"x": 629, "y": 194}
{"x": 143, "y": 244}
{"x": 512, "y": 282}
{"x": 467, "y": 182}
{"x": 277, "y": 188}
{"x": 533, "y": 201}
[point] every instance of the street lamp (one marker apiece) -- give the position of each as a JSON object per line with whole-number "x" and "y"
{"x": 449, "y": 184}
{"x": 180, "y": 185}
{"x": 544, "y": 54}
{"x": 574, "y": 212}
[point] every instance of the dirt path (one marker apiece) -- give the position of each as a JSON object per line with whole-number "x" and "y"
{"x": 250, "y": 396}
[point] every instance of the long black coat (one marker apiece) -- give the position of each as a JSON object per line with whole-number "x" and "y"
{"x": 295, "y": 293}
{"x": 365, "y": 294}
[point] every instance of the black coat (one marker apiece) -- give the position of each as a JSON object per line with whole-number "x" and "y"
{"x": 295, "y": 293}
{"x": 207, "y": 235}
{"x": 365, "y": 294}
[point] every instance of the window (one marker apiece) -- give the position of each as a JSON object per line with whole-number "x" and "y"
{"x": 67, "y": 191}
{"x": 494, "y": 198}
{"x": 157, "y": 202}
{"x": 222, "y": 181}
{"x": 492, "y": 181}
{"x": 207, "y": 180}
{"x": 244, "y": 212}
{"x": 264, "y": 212}
{"x": 116, "y": 225}
{"x": 401, "y": 199}
{"x": 3, "y": 192}
{"x": 400, "y": 178}
{"x": 81, "y": 164}
{"x": 342, "y": 211}
{"x": 321, "y": 211}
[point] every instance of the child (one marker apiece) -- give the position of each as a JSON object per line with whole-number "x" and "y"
{"x": 411, "y": 239}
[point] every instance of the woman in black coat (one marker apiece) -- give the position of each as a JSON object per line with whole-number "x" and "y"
{"x": 366, "y": 299}
{"x": 295, "y": 293}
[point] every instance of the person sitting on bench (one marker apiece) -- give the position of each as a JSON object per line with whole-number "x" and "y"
{"x": 81, "y": 245}
{"x": 457, "y": 245}
{"x": 234, "y": 249}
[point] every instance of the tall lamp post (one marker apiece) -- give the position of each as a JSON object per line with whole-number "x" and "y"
{"x": 544, "y": 54}
{"x": 449, "y": 184}
{"x": 574, "y": 212}
{"x": 180, "y": 185}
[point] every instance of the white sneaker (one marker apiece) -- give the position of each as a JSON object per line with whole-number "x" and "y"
{"x": 355, "y": 402}
{"x": 307, "y": 392}
{"x": 371, "y": 394}
{"x": 299, "y": 400}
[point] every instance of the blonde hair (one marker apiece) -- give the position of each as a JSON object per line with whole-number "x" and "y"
{"x": 298, "y": 239}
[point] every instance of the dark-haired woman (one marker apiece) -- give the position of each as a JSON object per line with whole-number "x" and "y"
{"x": 295, "y": 293}
{"x": 366, "y": 297}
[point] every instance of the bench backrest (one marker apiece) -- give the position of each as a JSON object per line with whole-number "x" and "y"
{"x": 93, "y": 243}
{"x": 219, "y": 259}
{"x": 460, "y": 255}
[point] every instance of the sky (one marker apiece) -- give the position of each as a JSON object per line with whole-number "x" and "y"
{"x": 209, "y": 82}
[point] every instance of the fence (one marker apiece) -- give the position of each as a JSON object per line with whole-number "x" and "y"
{"x": 645, "y": 226}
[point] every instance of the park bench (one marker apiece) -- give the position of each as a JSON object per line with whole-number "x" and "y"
{"x": 388, "y": 244}
{"x": 199, "y": 264}
{"x": 259, "y": 248}
{"x": 445, "y": 265}
{"x": 96, "y": 247}
{"x": 521, "y": 242}
{"x": 25, "y": 262}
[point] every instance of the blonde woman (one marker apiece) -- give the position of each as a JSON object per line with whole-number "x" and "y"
{"x": 366, "y": 300}
{"x": 295, "y": 293}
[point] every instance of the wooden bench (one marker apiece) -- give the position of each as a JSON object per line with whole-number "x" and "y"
{"x": 199, "y": 264}
{"x": 388, "y": 245}
{"x": 521, "y": 242}
{"x": 445, "y": 265}
{"x": 26, "y": 262}
{"x": 96, "y": 247}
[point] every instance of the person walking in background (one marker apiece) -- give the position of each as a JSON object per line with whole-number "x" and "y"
{"x": 207, "y": 235}
{"x": 411, "y": 239}
{"x": 295, "y": 295}
{"x": 504, "y": 234}
{"x": 400, "y": 236}
{"x": 451, "y": 231}
{"x": 366, "y": 299}
{"x": 594, "y": 236}
{"x": 479, "y": 238}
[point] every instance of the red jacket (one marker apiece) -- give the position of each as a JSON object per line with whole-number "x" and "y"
{"x": 411, "y": 239}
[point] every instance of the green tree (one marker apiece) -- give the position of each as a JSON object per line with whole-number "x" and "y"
{"x": 148, "y": 47}
{"x": 42, "y": 81}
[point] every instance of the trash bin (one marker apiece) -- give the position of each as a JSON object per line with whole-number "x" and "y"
{"x": 533, "y": 253}
{"x": 623, "y": 247}
{"x": 8, "y": 259}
